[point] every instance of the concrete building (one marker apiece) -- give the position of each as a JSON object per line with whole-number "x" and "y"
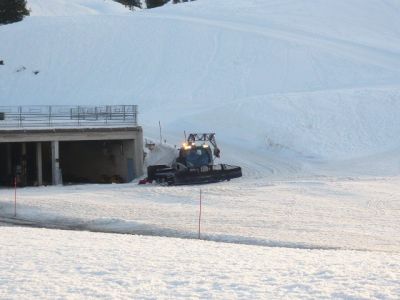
{"x": 42, "y": 145}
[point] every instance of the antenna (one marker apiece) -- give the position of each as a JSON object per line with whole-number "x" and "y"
{"x": 159, "y": 125}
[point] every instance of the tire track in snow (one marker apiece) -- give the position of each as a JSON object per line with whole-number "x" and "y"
{"x": 358, "y": 52}
{"x": 215, "y": 50}
{"x": 170, "y": 233}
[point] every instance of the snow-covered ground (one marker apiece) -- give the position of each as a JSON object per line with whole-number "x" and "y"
{"x": 304, "y": 95}
{"x": 48, "y": 264}
{"x": 58, "y": 8}
{"x": 324, "y": 213}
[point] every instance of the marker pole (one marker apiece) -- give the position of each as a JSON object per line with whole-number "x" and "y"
{"x": 200, "y": 216}
{"x": 15, "y": 196}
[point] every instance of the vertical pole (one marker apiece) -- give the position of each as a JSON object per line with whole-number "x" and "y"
{"x": 79, "y": 116}
{"x": 135, "y": 113}
{"x": 49, "y": 116}
{"x": 39, "y": 163}
{"x": 159, "y": 125}
{"x": 55, "y": 162}
{"x": 15, "y": 196}
{"x": 20, "y": 115}
{"x": 200, "y": 216}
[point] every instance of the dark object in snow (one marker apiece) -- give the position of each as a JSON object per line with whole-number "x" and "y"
{"x": 36, "y": 72}
{"x": 111, "y": 179}
{"x": 131, "y": 4}
{"x": 144, "y": 181}
{"x": 155, "y": 3}
{"x": 20, "y": 69}
{"x": 1, "y": 62}
{"x": 12, "y": 11}
{"x": 195, "y": 164}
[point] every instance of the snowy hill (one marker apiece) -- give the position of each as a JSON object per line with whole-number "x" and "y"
{"x": 74, "y": 8}
{"x": 303, "y": 94}
{"x": 294, "y": 86}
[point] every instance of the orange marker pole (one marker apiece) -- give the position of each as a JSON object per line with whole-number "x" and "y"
{"x": 200, "y": 216}
{"x": 15, "y": 196}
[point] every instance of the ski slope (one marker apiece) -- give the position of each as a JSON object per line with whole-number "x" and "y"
{"x": 293, "y": 87}
{"x": 303, "y": 94}
{"x": 60, "y": 8}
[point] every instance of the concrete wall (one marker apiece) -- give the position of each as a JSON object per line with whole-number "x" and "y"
{"x": 71, "y": 134}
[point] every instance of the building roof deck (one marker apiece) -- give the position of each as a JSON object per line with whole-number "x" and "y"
{"x": 33, "y": 118}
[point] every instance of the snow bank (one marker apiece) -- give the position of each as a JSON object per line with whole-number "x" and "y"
{"x": 161, "y": 154}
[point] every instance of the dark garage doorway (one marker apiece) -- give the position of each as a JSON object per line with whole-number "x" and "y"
{"x": 96, "y": 161}
{"x": 20, "y": 161}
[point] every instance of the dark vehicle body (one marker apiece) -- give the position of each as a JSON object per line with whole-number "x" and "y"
{"x": 194, "y": 165}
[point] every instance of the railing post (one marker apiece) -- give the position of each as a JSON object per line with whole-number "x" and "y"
{"x": 135, "y": 113}
{"x": 79, "y": 116}
{"x": 107, "y": 113}
{"x": 50, "y": 115}
{"x": 20, "y": 115}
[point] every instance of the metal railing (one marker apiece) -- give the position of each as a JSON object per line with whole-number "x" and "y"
{"x": 67, "y": 116}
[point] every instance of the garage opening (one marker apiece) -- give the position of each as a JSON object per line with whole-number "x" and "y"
{"x": 109, "y": 161}
{"x": 21, "y": 161}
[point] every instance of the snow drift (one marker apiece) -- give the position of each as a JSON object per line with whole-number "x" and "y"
{"x": 287, "y": 86}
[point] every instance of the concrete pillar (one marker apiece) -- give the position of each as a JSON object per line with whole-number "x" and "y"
{"x": 55, "y": 163}
{"x": 39, "y": 163}
{"x": 9, "y": 159}
{"x": 128, "y": 171}
{"x": 24, "y": 165}
{"x": 139, "y": 155}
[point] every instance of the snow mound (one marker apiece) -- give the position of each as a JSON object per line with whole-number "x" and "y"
{"x": 75, "y": 7}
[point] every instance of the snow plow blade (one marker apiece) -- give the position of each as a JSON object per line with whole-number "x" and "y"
{"x": 202, "y": 175}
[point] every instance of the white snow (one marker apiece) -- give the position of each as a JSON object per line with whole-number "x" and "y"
{"x": 304, "y": 82}
{"x": 48, "y": 264}
{"x": 324, "y": 213}
{"x": 52, "y": 8}
{"x": 304, "y": 95}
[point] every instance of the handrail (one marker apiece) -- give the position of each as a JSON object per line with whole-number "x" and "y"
{"x": 67, "y": 116}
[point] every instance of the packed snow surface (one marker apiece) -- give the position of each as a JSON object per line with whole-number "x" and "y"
{"x": 325, "y": 213}
{"x": 54, "y": 8}
{"x": 304, "y": 95}
{"x": 86, "y": 265}
{"x": 285, "y": 84}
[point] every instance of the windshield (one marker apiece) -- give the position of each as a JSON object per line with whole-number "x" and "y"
{"x": 198, "y": 157}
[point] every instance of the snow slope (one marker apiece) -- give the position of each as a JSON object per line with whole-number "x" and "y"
{"x": 289, "y": 87}
{"x": 303, "y": 94}
{"x": 56, "y": 8}
{"x": 85, "y": 265}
